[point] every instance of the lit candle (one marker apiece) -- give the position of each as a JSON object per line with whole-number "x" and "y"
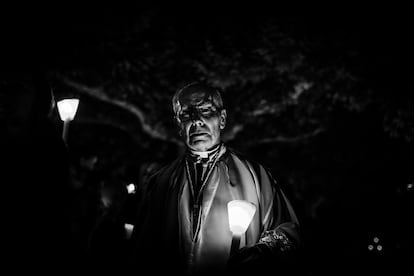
{"x": 128, "y": 230}
{"x": 240, "y": 213}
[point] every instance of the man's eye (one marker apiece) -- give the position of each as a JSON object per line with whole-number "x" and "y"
{"x": 184, "y": 116}
{"x": 207, "y": 111}
{"x": 204, "y": 110}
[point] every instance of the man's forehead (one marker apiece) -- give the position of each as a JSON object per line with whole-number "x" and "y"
{"x": 196, "y": 98}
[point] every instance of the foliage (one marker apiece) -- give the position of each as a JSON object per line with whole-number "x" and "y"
{"x": 306, "y": 100}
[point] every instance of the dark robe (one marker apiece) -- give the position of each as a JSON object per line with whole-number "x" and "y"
{"x": 163, "y": 233}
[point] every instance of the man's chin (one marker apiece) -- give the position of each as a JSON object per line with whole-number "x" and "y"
{"x": 200, "y": 145}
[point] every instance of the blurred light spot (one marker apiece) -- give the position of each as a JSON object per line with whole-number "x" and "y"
{"x": 410, "y": 186}
{"x": 131, "y": 188}
{"x": 128, "y": 230}
{"x": 370, "y": 247}
{"x": 106, "y": 201}
{"x": 129, "y": 226}
{"x": 379, "y": 247}
{"x": 376, "y": 240}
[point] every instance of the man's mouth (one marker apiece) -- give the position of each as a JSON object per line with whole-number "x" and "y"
{"x": 196, "y": 134}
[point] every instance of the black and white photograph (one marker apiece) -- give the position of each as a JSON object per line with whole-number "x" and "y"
{"x": 205, "y": 140}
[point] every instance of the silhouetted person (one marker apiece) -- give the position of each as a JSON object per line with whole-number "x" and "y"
{"x": 108, "y": 240}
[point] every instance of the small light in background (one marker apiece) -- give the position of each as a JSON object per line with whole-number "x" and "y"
{"x": 376, "y": 245}
{"x": 128, "y": 230}
{"x": 106, "y": 200}
{"x": 131, "y": 188}
{"x": 410, "y": 186}
{"x": 67, "y": 109}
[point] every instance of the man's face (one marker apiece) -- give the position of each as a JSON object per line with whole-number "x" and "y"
{"x": 200, "y": 122}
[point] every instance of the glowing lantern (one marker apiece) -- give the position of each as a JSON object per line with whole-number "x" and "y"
{"x": 240, "y": 214}
{"x": 67, "y": 110}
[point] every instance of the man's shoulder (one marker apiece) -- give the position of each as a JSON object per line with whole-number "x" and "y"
{"x": 167, "y": 170}
{"x": 237, "y": 161}
{"x": 246, "y": 160}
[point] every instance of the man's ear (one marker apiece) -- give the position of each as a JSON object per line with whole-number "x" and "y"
{"x": 223, "y": 118}
{"x": 177, "y": 125}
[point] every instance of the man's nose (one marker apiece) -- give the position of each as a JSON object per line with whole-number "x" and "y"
{"x": 196, "y": 119}
{"x": 198, "y": 123}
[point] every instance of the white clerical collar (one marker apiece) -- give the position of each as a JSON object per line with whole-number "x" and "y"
{"x": 201, "y": 154}
{"x": 205, "y": 155}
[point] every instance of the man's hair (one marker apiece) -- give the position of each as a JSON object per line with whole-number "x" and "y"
{"x": 194, "y": 87}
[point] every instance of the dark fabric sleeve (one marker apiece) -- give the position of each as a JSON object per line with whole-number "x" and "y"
{"x": 280, "y": 224}
{"x": 277, "y": 247}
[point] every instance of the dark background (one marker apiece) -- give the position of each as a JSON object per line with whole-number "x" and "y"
{"x": 323, "y": 100}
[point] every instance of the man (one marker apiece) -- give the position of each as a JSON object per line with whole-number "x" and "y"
{"x": 183, "y": 221}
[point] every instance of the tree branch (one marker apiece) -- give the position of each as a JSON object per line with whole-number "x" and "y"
{"x": 103, "y": 122}
{"x": 268, "y": 109}
{"x": 286, "y": 139}
{"x": 99, "y": 94}
{"x": 230, "y": 134}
